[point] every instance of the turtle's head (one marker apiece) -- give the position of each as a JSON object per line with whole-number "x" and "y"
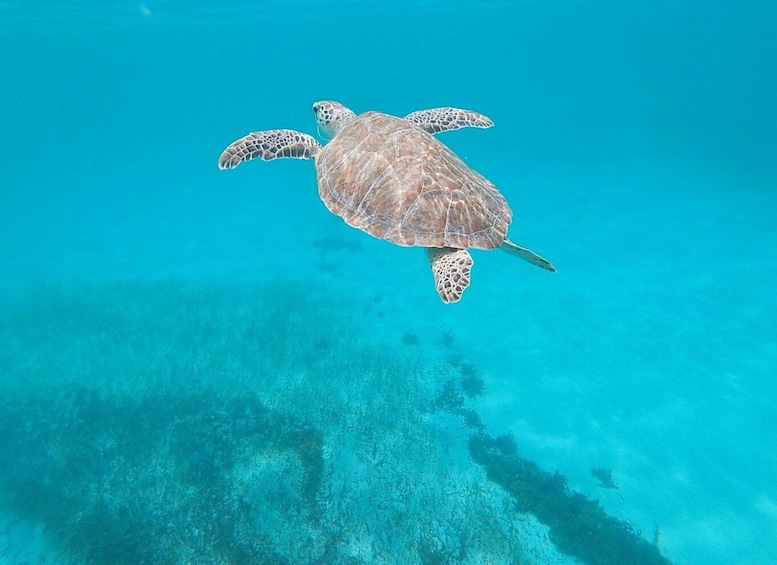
{"x": 331, "y": 116}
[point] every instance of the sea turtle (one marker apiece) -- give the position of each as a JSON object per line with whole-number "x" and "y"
{"x": 391, "y": 178}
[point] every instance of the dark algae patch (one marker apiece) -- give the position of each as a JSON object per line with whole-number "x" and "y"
{"x": 578, "y": 526}
{"x": 147, "y": 479}
{"x": 604, "y": 476}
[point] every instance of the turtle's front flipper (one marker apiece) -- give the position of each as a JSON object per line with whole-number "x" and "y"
{"x": 451, "y": 269}
{"x": 526, "y": 254}
{"x": 269, "y": 145}
{"x": 435, "y": 120}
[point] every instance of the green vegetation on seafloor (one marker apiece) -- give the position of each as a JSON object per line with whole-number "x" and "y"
{"x": 162, "y": 423}
{"x": 578, "y": 525}
{"x": 150, "y": 479}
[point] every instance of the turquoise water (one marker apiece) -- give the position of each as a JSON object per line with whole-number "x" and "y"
{"x": 204, "y": 366}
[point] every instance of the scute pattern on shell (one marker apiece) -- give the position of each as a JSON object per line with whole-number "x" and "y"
{"x": 388, "y": 177}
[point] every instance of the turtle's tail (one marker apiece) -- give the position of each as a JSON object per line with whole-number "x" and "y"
{"x": 527, "y": 255}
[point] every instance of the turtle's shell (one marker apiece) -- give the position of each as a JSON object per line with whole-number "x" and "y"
{"x": 395, "y": 181}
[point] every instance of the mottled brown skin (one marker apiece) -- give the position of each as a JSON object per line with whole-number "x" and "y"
{"x": 269, "y": 145}
{"x": 390, "y": 178}
{"x": 451, "y": 269}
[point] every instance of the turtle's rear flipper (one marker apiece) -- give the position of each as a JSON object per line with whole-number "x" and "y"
{"x": 268, "y": 145}
{"x": 450, "y": 268}
{"x": 526, "y": 254}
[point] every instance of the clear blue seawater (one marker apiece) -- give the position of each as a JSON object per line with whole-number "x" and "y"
{"x": 204, "y": 366}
